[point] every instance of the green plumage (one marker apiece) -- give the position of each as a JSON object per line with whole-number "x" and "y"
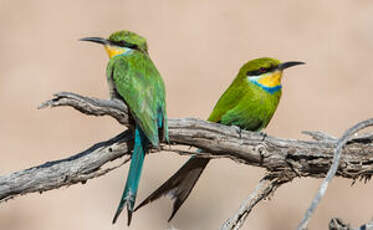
{"x": 133, "y": 78}
{"x": 247, "y": 104}
{"x": 139, "y": 83}
{"x": 136, "y": 80}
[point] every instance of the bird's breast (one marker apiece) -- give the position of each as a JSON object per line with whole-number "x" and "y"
{"x": 270, "y": 83}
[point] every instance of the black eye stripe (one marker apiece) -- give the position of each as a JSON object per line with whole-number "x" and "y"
{"x": 261, "y": 70}
{"x": 124, "y": 44}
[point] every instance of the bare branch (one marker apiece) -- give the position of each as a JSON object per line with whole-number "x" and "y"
{"x": 333, "y": 170}
{"x": 90, "y": 106}
{"x": 320, "y": 136}
{"x": 338, "y": 224}
{"x": 284, "y": 159}
{"x": 265, "y": 188}
{"x": 76, "y": 169}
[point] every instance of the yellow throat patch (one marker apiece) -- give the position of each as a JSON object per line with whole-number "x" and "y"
{"x": 272, "y": 79}
{"x": 113, "y": 51}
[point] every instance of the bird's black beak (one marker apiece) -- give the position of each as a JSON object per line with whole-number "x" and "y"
{"x": 98, "y": 40}
{"x": 289, "y": 64}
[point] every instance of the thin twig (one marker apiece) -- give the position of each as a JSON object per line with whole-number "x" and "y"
{"x": 266, "y": 187}
{"x": 90, "y": 106}
{"x": 332, "y": 171}
{"x": 338, "y": 224}
{"x": 320, "y": 136}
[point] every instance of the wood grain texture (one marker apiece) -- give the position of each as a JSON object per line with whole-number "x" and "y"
{"x": 284, "y": 159}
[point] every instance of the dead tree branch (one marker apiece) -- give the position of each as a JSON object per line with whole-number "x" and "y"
{"x": 265, "y": 188}
{"x": 332, "y": 171}
{"x": 284, "y": 159}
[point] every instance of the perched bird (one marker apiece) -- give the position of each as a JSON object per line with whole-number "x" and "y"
{"x": 133, "y": 78}
{"x": 249, "y": 103}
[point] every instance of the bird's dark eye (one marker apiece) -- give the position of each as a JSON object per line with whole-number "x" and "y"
{"x": 257, "y": 72}
{"x": 122, "y": 43}
{"x": 125, "y": 44}
{"x": 130, "y": 45}
{"x": 261, "y": 71}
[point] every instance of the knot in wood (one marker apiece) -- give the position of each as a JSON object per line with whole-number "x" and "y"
{"x": 262, "y": 150}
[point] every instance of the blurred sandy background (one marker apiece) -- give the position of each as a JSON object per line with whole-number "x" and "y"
{"x": 198, "y": 47}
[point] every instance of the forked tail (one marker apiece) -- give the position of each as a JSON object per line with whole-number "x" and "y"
{"x": 180, "y": 184}
{"x": 134, "y": 173}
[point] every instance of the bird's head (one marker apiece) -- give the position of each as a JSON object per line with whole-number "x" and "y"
{"x": 121, "y": 43}
{"x": 266, "y": 72}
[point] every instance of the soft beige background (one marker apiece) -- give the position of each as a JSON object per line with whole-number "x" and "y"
{"x": 198, "y": 47}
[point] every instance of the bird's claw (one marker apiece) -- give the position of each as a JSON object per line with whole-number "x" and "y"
{"x": 264, "y": 135}
{"x": 238, "y": 130}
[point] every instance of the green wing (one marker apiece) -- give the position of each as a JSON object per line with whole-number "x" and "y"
{"x": 235, "y": 107}
{"x": 139, "y": 83}
{"x": 245, "y": 116}
{"x": 230, "y": 99}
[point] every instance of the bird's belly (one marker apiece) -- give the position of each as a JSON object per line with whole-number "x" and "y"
{"x": 259, "y": 112}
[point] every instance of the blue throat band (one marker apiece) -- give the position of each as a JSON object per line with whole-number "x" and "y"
{"x": 270, "y": 90}
{"x": 125, "y": 53}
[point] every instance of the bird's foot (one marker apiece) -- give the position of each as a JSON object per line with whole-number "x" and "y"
{"x": 264, "y": 135}
{"x": 238, "y": 130}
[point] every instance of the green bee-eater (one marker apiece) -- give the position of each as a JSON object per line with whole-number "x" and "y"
{"x": 133, "y": 78}
{"x": 249, "y": 103}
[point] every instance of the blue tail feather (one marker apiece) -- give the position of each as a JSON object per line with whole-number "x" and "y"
{"x": 134, "y": 173}
{"x": 160, "y": 118}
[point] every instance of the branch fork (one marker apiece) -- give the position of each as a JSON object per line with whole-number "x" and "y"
{"x": 284, "y": 159}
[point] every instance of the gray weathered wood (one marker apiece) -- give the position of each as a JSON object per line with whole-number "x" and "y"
{"x": 54, "y": 174}
{"x": 265, "y": 188}
{"x": 284, "y": 159}
{"x": 332, "y": 171}
{"x": 338, "y": 224}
